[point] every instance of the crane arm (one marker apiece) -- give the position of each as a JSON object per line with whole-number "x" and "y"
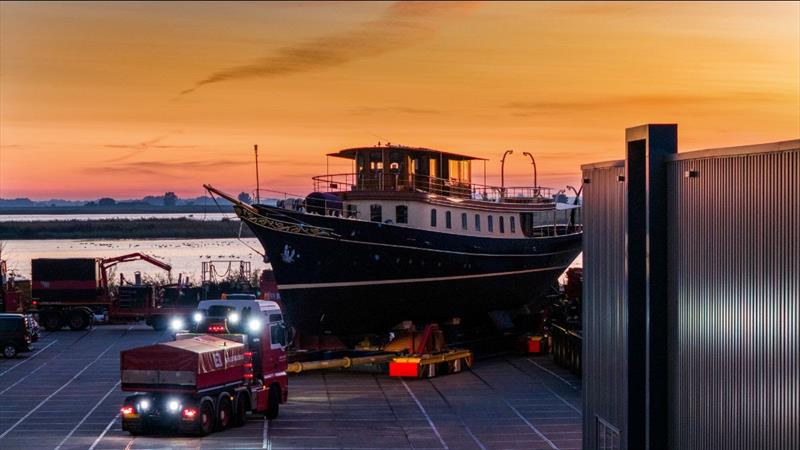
{"x": 108, "y": 263}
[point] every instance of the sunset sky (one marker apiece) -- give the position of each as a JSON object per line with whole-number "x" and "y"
{"x": 133, "y": 99}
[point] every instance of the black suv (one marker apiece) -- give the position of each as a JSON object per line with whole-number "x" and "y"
{"x": 15, "y": 335}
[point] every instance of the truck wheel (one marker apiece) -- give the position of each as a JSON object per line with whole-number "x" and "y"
{"x": 224, "y": 412}
{"x": 51, "y": 320}
{"x": 274, "y": 401}
{"x": 206, "y": 418}
{"x": 240, "y": 411}
{"x": 159, "y": 323}
{"x": 9, "y": 351}
{"x": 78, "y": 320}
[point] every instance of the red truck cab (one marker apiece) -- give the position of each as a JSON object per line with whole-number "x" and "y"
{"x": 234, "y": 362}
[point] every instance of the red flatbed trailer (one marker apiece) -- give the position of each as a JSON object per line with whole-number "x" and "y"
{"x": 203, "y": 382}
{"x": 71, "y": 291}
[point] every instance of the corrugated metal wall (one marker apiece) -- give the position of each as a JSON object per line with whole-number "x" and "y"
{"x": 733, "y": 296}
{"x": 604, "y": 306}
{"x": 734, "y": 301}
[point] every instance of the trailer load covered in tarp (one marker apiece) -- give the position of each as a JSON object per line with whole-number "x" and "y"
{"x": 189, "y": 365}
{"x": 72, "y": 280}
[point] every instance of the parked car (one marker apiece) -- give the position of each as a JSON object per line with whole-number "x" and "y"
{"x": 15, "y": 336}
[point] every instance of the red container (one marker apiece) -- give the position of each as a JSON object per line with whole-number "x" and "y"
{"x": 536, "y": 345}
{"x": 187, "y": 365}
{"x": 404, "y": 369}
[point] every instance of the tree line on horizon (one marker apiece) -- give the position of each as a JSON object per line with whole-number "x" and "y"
{"x": 168, "y": 199}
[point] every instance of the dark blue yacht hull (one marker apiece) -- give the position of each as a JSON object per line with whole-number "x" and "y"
{"x": 348, "y": 276}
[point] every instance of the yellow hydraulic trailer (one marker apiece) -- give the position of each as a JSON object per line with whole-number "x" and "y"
{"x": 431, "y": 364}
{"x": 339, "y": 363}
{"x": 428, "y": 359}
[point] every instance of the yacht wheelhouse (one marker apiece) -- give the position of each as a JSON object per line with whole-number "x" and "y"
{"x": 431, "y": 189}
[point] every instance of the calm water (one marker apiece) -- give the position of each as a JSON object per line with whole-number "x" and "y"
{"x": 41, "y": 217}
{"x": 185, "y": 255}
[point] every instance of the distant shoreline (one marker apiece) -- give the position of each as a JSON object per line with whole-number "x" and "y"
{"x": 151, "y": 228}
{"x": 135, "y": 209}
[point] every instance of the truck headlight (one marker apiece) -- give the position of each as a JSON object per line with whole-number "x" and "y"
{"x": 233, "y": 317}
{"x": 254, "y": 325}
{"x": 177, "y": 324}
{"x": 197, "y": 317}
{"x": 173, "y": 406}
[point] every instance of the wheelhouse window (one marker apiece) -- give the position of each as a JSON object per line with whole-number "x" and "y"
{"x": 512, "y": 224}
{"x": 448, "y": 219}
{"x": 490, "y": 224}
{"x": 401, "y": 213}
{"x": 477, "y": 222}
{"x": 352, "y": 211}
{"x": 375, "y": 213}
{"x": 502, "y": 223}
{"x": 433, "y": 217}
{"x": 463, "y": 221}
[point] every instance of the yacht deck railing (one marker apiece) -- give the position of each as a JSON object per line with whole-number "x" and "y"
{"x": 394, "y": 182}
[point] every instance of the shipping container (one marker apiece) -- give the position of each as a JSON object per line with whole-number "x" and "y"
{"x": 66, "y": 269}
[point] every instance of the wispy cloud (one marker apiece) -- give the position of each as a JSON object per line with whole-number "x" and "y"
{"x": 149, "y": 144}
{"x": 532, "y": 108}
{"x": 164, "y": 168}
{"x": 115, "y": 170}
{"x": 144, "y": 145}
{"x": 403, "y": 24}
{"x": 600, "y": 8}
{"x": 368, "y": 110}
{"x": 194, "y": 164}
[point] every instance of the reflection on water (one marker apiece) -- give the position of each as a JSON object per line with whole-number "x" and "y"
{"x": 185, "y": 255}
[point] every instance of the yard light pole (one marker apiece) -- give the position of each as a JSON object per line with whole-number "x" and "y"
{"x": 258, "y": 184}
{"x": 535, "y": 175}
{"x": 503, "y": 173}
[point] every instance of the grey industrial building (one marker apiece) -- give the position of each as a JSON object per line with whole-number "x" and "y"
{"x": 691, "y": 304}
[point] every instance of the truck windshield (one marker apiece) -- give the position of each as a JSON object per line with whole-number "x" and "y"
{"x": 220, "y": 310}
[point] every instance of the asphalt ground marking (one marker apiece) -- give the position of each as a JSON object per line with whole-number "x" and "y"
{"x": 42, "y": 403}
{"x": 27, "y": 358}
{"x": 516, "y": 411}
{"x": 553, "y": 374}
{"x": 424, "y": 413}
{"x": 69, "y": 435}
{"x": 266, "y": 442}
{"x": 544, "y": 385}
{"x": 105, "y": 430}
{"x": 460, "y": 419}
